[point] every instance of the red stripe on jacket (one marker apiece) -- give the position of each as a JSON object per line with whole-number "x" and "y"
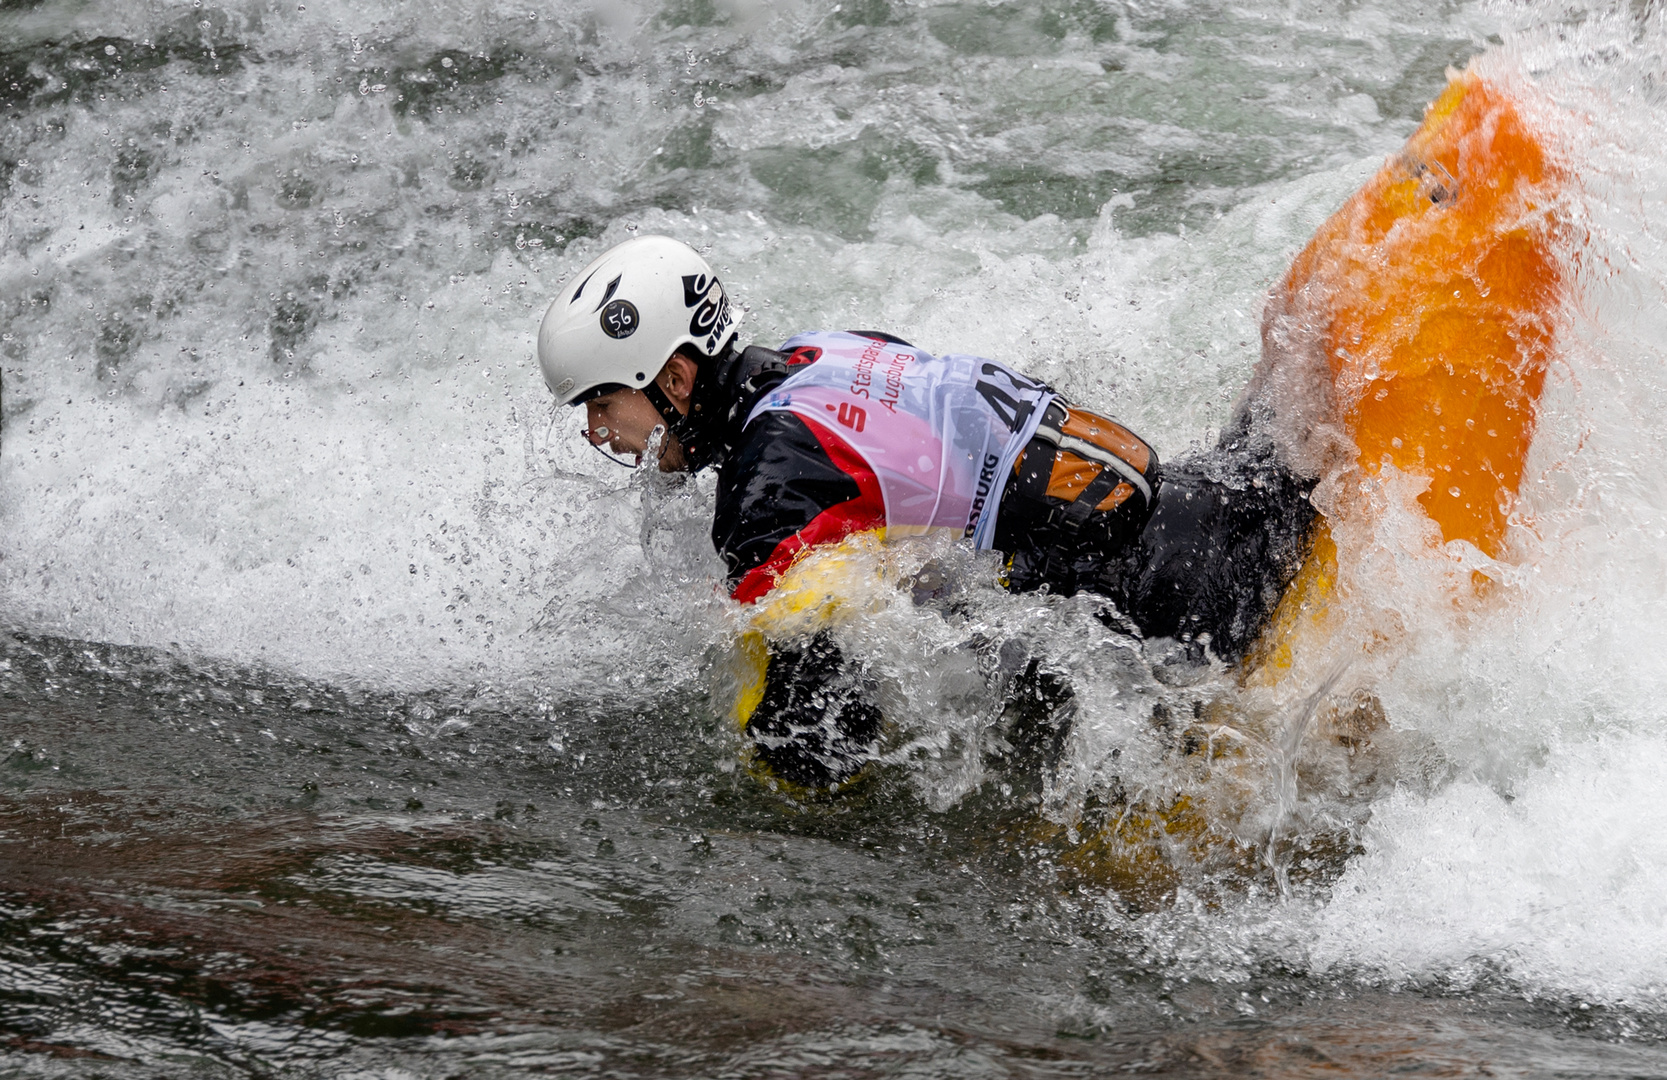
{"x": 866, "y": 511}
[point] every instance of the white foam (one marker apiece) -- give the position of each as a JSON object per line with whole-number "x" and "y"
{"x": 1563, "y": 888}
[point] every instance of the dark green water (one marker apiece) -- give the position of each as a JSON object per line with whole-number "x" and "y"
{"x": 211, "y": 874}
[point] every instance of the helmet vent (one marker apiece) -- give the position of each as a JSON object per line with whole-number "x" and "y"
{"x": 613, "y": 287}
{"x": 580, "y": 291}
{"x": 564, "y": 387}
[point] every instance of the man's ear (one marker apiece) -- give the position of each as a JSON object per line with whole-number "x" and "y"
{"x": 677, "y": 380}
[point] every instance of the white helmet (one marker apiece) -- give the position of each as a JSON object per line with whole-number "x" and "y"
{"x": 627, "y": 312}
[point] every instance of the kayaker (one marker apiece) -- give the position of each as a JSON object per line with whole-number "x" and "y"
{"x": 837, "y": 432}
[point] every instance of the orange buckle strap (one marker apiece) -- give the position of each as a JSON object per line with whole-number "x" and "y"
{"x": 1088, "y": 461}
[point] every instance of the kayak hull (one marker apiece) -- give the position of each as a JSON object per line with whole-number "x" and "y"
{"x": 1425, "y": 309}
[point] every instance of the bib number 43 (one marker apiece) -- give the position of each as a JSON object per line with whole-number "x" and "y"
{"x": 1011, "y": 396}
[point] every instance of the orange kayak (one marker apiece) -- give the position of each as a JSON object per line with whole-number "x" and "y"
{"x": 1413, "y": 333}
{"x": 1431, "y": 300}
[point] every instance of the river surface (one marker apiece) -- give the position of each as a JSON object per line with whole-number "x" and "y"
{"x": 358, "y": 721}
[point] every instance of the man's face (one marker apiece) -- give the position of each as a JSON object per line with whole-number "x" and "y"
{"x": 623, "y": 420}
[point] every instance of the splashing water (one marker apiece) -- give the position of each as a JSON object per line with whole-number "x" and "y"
{"x": 361, "y": 718}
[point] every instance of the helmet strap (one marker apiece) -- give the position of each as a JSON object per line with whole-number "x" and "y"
{"x": 677, "y": 423}
{"x": 662, "y": 404}
{"x": 703, "y": 431}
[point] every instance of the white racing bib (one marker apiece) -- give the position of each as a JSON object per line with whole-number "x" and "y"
{"x": 941, "y": 433}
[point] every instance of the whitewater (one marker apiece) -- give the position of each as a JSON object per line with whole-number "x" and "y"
{"x": 362, "y": 720}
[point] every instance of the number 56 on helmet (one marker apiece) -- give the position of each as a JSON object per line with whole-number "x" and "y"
{"x": 623, "y": 316}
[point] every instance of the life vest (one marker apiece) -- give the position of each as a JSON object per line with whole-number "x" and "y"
{"x": 940, "y": 433}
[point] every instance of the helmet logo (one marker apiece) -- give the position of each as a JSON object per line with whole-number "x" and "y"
{"x": 711, "y": 309}
{"x": 620, "y": 319}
